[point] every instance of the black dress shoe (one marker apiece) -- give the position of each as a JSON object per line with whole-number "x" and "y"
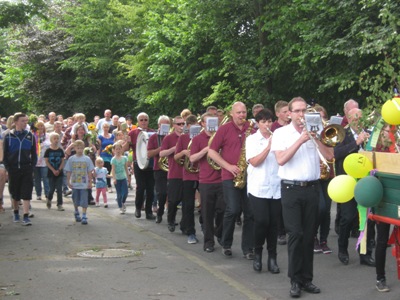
{"x": 367, "y": 260}
{"x": 344, "y": 258}
{"x": 150, "y": 217}
{"x": 158, "y": 219}
{"x": 309, "y": 287}
{"x": 171, "y": 227}
{"x": 257, "y": 263}
{"x": 138, "y": 213}
{"x": 295, "y": 290}
{"x": 272, "y": 265}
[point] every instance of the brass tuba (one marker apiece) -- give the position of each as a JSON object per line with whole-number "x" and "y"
{"x": 189, "y": 166}
{"x": 163, "y": 161}
{"x": 212, "y": 163}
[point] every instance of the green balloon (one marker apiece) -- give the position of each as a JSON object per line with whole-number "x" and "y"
{"x": 368, "y": 191}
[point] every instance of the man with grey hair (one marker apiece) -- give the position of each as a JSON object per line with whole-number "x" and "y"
{"x": 107, "y": 118}
{"x": 144, "y": 177}
{"x": 347, "y": 106}
{"x": 160, "y": 176}
{"x": 256, "y": 108}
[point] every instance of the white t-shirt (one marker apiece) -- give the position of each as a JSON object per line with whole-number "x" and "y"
{"x": 304, "y": 165}
{"x": 262, "y": 181}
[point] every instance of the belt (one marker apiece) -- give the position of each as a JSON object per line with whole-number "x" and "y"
{"x": 300, "y": 183}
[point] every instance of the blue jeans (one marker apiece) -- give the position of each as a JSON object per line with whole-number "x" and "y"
{"x": 122, "y": 191}
{"x": 40, "y": 173}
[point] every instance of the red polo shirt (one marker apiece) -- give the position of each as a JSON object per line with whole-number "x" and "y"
{"x": 182, "y": 144}
{"x": 152, "y": 145}
{"x": 229, "y": 139}
{"x": 174, "y": 170}
{"x": 206, "y": 173}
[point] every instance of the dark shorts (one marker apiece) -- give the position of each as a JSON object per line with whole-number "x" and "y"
{"x": 21, "y": 184}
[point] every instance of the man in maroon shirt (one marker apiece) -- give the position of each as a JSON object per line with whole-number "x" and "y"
{"x": 210, "y": 186}
{"x": 144, "y": 178}
{"x": 190, "y": 183}
{"x": 160, "y": 176}
{"x": 229, "y": 139}
{"x": 168, "y": 147}
{"x": 282, "y": 113}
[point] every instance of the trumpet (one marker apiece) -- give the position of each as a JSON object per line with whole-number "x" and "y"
{"x": 321, "y": 157}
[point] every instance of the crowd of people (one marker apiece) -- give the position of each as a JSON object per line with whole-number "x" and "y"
{"x": 267, "y": 170}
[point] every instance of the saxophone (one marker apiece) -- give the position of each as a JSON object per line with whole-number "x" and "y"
{"x": 240, "y": 179}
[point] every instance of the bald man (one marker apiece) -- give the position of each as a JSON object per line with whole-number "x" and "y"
{"x": 225, "y": 150}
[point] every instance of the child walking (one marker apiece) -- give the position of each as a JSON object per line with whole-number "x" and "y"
{"x": 79, "y": 178}
{"x": 119, "y": 172}
{"x": 101, "y": 174}
{"x": 54, "y": 158}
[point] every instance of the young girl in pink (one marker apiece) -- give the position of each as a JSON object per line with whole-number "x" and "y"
{"x": 101, "y": 174}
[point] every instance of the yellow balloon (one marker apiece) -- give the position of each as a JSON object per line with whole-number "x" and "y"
{"x": 391, "y": 111}
{"x": 357, "y": 165}
{"x": 341, "y": 188}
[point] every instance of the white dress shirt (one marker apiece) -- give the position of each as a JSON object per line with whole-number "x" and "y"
{"x": 263, "y": 180}
{"x": 304, "y": 165}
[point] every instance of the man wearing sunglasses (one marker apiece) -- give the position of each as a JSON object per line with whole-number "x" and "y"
{"x": 144, "y": 178}
{"x": 175, "y": 171}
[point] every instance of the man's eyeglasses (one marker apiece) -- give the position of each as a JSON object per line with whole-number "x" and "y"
{"x": 143, "y": 120}
{"x": 180, "y": 124}
{"x": 297, "y": 111}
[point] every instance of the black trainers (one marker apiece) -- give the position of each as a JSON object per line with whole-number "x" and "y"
{"x": 381, "y": 286}
{"x": 325, "y": 249}
{"x": 317, "y": 246}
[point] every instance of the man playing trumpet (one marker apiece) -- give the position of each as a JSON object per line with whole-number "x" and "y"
{"x": 298, "y": 158}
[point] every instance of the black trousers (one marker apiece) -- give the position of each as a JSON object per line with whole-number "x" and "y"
{"x": 55, "y": 184}
{"x": 324, "y": 219}
{"x": 160, "y": 178}
{"x": 144, "y": 182}
{"x": 236, "y": 199}
{"x": 266, "y": 213}
{"x": 300, "y": 212}
{"x": 188, "y": 193}
{"x": 349, "y": 215}
{"x": 212, "y": 211}
{"x": 107, "y": 165}
{"x": 383, "y": 230}
{"x": 174, "y": 198}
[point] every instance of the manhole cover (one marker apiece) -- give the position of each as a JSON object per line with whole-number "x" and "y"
{"x": 109, "y": 253}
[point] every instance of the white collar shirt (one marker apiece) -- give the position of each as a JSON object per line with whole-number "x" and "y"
{"x": 263, "y": 180}
{"x": 304, "y": 165}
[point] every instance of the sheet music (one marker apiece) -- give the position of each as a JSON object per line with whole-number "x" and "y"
{"x": 164, "y": 129}
{"x": 194, "y": 130}
{"x": 314, "y": 122}
{"x": 212, "y": 124}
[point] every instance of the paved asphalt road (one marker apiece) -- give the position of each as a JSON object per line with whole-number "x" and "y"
{"x": 42, "y": 262}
